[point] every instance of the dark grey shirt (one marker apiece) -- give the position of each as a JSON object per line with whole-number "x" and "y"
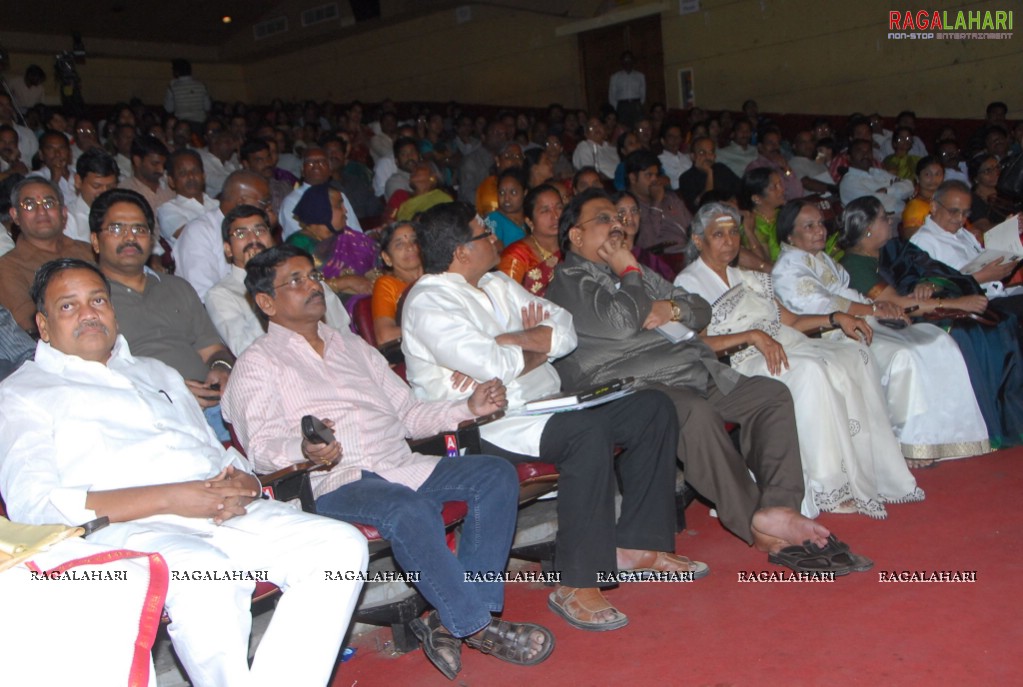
{"x": 474, "y": 169}
{"x": 608, "y": 313}
{"x": 15, "y": 345}
{"x": 167, "y": 321}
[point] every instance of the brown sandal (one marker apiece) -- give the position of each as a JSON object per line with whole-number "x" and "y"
{"x": 670, "y": 562}
{"x": 512, "y": 642}
{"x": 579, "y": 603}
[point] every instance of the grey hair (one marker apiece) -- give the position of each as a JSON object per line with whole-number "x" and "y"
{"x": 31, "y": 180}
{"x": 704, "y": 216}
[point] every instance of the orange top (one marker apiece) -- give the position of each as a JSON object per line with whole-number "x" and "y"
{"x": 387, "y": 289}
{"x": 486, "y": 196}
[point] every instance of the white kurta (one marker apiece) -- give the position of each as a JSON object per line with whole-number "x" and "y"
{"x": 931, "y": 403}
{"x": 848, "y": 450}
{"x": 955, "y": 250}
{"x": 448, "y": 326}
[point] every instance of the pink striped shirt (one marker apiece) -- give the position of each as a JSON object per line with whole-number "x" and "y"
{"x": 280, "y": 378}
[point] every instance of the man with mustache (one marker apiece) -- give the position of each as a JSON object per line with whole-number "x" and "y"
{"x": 247, "y": 233}
{"x": 92, "y": 429}
{"x": 40, "y": 212}
{"x": 186, "y": 177}
{"x": 159, "y": 314}
{"x": 304, "y": 367}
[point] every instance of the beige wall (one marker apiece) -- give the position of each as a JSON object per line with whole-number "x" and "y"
{"x": 834, "y": 57}
{"x": 498, "y": 57}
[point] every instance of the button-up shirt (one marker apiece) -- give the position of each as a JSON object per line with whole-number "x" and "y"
{"x": 280, "y": 378}
{"x": 291, "y": 226}
{"x": 179, "y": 211}
{"x": 955, "y": 250}
{"x": 887, "y": 188}
{"x": 626, "y": 86}
{"x": 603, "y": 157}
{"x": 199, "y": 253}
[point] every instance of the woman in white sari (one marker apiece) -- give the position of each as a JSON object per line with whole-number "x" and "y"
{"x": 851, "y": 459}
{"x": 930, "y": 399}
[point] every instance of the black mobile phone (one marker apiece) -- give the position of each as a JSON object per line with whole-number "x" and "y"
{"x": 315, "y": 431}
{"x": 215, "y": 386}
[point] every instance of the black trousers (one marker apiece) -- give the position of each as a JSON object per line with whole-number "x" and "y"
{"x": 581, "y": 445}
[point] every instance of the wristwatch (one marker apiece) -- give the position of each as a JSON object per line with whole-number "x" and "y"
{"x": 676, "y": 312}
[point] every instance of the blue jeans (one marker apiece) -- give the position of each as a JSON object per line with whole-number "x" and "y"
{"x": 411, "y": 520}
{"x": 216, "y": 420}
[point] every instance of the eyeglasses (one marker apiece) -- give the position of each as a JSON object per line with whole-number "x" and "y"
{"x": 117, "y": 229}
{"x": 47, "y": 203}
{"x": 487, "y": 233}
{"x": 604, "y": 218}
{"x": 299, "y": 280}
{"x": 244, "y": 232}
{"x": 85, "y": 131}
{"x": 953, "y": 212}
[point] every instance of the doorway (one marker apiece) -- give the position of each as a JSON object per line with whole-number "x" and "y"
{"x": 600, "y": 52}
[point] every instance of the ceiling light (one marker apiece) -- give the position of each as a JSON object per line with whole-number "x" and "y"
{"x": 226, "y": 19}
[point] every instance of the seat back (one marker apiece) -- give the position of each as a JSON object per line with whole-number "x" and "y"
{"x": 362, "y": 320}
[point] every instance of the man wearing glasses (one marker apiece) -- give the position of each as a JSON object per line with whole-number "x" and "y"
{"x": 460, "y": 317}
{"x": 159, "y": 315}
{"x": 40, "y": 213}
{"x": 247, "y": 233}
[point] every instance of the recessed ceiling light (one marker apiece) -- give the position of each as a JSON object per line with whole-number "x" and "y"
{"x": 226, "y": 19}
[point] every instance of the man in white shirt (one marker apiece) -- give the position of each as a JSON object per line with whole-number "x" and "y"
{"x": 199, "y": 253}
{"x": 315, "y": 171}
{"x": 247, "y": 232}
{"x": 461, "y": 317}
{"x": 674, "y": 163}
{"x": 10, "y": 153}
{"x": 739, "y": 153}
{"x": 186, "y": 177}
{"x": 904, "y": 118}
{"x": 95, "y": 172}
{"x": 28, "y": 89}
{"x": 595, "y": 151}
{"x": 863, "y": 179}
{"x": 807, "y": 165}
{"x": 124, "y": 137}
{"x": 55, "y": 154}
{"x": 219, "y": 160}
{"x": 89, "y": 430}
{"x": 627, "y": 91}
{"x": 28, "y": 144}
{"x": 945, "y": 239}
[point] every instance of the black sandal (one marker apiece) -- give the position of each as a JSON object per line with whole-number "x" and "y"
{"x": 511, "y": 642}
{"x": 440, "y": 646}
{"x": 810, "y": 558}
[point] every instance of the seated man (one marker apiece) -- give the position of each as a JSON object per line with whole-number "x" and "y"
{"x": 159, "y": 314}
{"x": 617, "y": 304}
{"x": 95, "y": 172}
{"x": 55, "y": 156}
{"x": 706, "y": 174}
{"x": 770, "y": 157}
{"x": 39, "y": 211}
{"x": 461, "y": 317}
{"x": 807, "y": 164}
{"x": 304, "y": 367}
{"x": 185, "y": 176}
{"x": 246, "y": 233}
{"x": 315, "y": 171}
{"x": 90, "y": 430}
{"x": 864, "y": 179}
{"x": 148, "y": 158}
{"x": 664, "y": 218}
{"x": 199, "y": 252}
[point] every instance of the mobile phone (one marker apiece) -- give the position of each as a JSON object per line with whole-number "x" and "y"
{"x": 315, "y": 431}
{"x": 215, "y": 386}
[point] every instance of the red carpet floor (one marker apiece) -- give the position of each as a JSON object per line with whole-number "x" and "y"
{"x": 855, "y": 631}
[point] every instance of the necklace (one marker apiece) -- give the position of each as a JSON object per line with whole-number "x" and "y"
{"x": 544, "y": 254}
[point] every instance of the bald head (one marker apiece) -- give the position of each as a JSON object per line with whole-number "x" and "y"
{"x": 245, "y": 187}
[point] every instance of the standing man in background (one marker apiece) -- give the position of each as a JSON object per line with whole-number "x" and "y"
{"x": 187, "y": 98}
{"x": 627, "y": 92}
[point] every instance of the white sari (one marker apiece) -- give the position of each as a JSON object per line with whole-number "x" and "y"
{"x": 930, "y": 399}
{"x": 848, "y": 450}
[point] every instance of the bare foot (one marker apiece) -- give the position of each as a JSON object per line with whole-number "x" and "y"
{"x": 776, "y": 528}
{"x": 586, "y": 608}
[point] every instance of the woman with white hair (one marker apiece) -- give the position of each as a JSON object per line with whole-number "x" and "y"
{"x": 852, "y": 461}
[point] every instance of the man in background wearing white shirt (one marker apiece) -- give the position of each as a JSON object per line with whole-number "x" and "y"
{"x": 595, "y": 151}
{"x": 863, "y": 179}
{"x": 95, "y": 172}
{"x": 186, "y": 177}
{"x": 627, "y": 91}
{"x": 674, "y": 163}
{"x": 315, "y": 171}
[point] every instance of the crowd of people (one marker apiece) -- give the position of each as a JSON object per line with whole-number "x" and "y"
{"x": 169, "y": 276}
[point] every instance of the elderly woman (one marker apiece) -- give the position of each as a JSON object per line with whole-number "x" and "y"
{"x": 346, "y": 258}
{"x": 852, "y": 461}
{"x": 908, "y": 277}
{"x": 930, "y": 401}
{"x": 984, "y": 170}
{"x": 531, "y": 261}
{"x": 399, "y": 250}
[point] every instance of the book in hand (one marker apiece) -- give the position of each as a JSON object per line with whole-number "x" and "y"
{"x": 1001, "y": 243}
{"x": 577, "y": 400}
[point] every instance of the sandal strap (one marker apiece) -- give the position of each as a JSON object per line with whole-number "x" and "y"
{"x": 591, "y": 603}
{"x": 509, "y": 641}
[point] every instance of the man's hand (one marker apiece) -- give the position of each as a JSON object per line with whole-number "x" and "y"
{"x": 206, "y": 396}
{"x": 533, "y": 314}
{"x": 854, "y": 327}
{"x": 616, "y": 254}
{"x": 660, "y": 313}
{"x": 322, "y": 454}
{"x": 886, "y": 310}
{"x": 461, "y": 381}
{"x": 489, "y": 397}
{"x": 232, "y": 478}
{"x": 201, "y": 499}
{"x": 995, "y": 271}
